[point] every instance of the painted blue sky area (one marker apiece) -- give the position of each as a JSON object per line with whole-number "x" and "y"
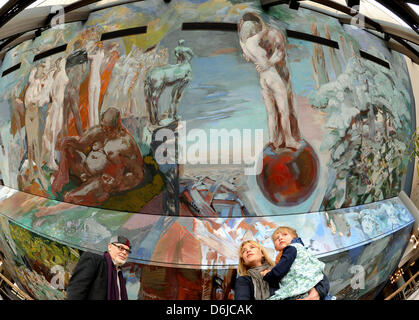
{"x": 223, "y": 93}
{"x": 301, "y": 67}
{"x": 15, "y": 55}
{"x": 9, "y": 80}
{"x": 301, "y": 70}
{"x": 4, "y": 112}
{"x": 372, "y": 45}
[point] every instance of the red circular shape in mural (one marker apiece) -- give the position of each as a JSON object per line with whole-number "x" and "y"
{"x": 289, "y": 176}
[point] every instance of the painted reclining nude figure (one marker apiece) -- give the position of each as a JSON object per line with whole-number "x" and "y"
{"x": 105, "y": 158}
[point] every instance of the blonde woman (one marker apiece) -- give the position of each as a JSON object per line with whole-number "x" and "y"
{"x": 250, "y": 285}
{"x": 253, "y": 259}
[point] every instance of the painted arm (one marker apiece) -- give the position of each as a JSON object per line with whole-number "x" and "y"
{"x": 244, "y": 51}
{"x": 279, "y": 53}
{"x": 190, "y": 53}
{"x": 134, "y": 168}
{"x": 276, "y": 39}
{"x": 83, "y": 142}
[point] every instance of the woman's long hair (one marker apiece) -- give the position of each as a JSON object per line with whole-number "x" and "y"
{"x": 242, "y": 268}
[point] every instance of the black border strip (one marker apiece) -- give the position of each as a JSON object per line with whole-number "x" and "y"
{"x": 50, "y": 52}
{"x": 372, "y": 58}
{"x": 123, "y": 33}
{"x": 350, "y": 11}
{"x": 79, "y": 4}
{"x": 312, "y": 38}
{"x": 11, "y": 69}
{"x": 9, "y": 40}
{"x": 211, "y": 26}
{"x": 113, "y": 4}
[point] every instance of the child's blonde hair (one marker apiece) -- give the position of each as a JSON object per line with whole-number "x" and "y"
{"x": 290, "y": 230}
{"x": 242, "y": 268}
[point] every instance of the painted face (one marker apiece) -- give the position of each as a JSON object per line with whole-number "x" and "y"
{"x": 118, "y": 252}
{"x": 252, "y": 255}
{"x": 109, "y": 131}
{"x": 110, "y": 122}
{"x": 282, "y": 239}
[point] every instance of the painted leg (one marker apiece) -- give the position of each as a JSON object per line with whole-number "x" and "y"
{"x": 90, "y": 193}
{"x": 276, "y": 136}
{"x": 96, "y": 108}
{"x": 178, "y": 97}
{"x": 149, "y": 101}
{"x": 76, "y": 115}
{"x": 279, "y": 93}
{"x": 69, "y": 160}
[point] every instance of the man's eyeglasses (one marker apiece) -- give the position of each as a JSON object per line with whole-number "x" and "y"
{"x": 121, "y": 248}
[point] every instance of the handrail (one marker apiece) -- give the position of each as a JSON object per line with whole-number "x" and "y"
{"x": 20, "y": 292}
{"x": 402, "y": 287}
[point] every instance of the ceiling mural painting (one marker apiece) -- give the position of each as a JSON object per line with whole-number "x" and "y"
{"x": 190, "y": 140}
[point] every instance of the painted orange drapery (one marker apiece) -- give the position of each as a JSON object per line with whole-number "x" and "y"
{"x": 105, "y": 78}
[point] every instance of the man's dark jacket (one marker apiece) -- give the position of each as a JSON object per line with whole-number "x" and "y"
{"x": 90, "y": 278}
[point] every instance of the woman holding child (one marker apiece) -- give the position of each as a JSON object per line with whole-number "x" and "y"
{"x": 300, "y": 273}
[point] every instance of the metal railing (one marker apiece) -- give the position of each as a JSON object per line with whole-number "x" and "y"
{"x": 406, "y": 290}
{"x": 17, "y": 293}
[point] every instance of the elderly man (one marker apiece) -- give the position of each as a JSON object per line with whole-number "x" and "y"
{"x": 99, "y": 277}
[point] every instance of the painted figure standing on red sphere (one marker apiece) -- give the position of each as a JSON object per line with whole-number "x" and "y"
{"x": 265, "y": 47}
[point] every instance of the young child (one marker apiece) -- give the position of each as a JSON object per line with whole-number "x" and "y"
{"x": 297, "y": 270}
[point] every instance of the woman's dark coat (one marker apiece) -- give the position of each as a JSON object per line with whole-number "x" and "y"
{"x": 244, "y": 289}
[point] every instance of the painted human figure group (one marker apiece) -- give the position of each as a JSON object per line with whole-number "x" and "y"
{"x": 104, "y": 156}
{"x": 57, "y": 84}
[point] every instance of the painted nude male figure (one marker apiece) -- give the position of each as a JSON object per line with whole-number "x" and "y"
{"x": 54, "y": 120}
{"x": 75, "y": 68}
{"x": 36, "y": 96}
{"x": 105, "y": 158}
{"x": 96, "y": 55}
{"x": 265, "y": 47}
